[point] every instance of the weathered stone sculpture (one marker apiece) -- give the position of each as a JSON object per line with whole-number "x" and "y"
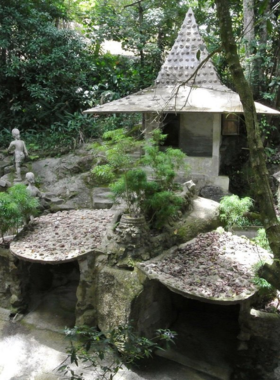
{"x": 31, "y": 188}
{"x": 20, "y": 152}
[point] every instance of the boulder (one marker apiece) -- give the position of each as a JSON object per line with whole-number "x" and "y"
{"x": 64, "y": 179}
{"x": 202, "y": 217}
{"x": 212, "y": 192}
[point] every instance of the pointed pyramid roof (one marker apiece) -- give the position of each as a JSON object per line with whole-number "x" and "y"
{"x": 182, "y": 61}
{"x": 173, "y": 91}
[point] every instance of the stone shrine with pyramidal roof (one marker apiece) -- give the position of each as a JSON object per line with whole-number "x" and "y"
{"x": 199, "y": 114}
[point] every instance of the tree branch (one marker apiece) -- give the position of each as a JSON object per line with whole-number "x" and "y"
{"x": 194, "y": 74}
{"x": 131, "y": 5}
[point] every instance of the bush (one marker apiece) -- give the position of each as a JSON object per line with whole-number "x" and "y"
{"x": 261, "y": 240}
{"x": 233, "y": 210}
{"x": 16, "y": 207}
{"x": 26, "y": 204}
{"x": 9, "y": 214}
{"x": 126, "y": 172}
{"x": 121, "y": 344}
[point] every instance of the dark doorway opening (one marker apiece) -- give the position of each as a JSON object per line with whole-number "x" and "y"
{"x": 171, "y": 128}
{"x": 206, "y": 340}
{"x": 51, "y": 293}
{"x": 207, "y": 335}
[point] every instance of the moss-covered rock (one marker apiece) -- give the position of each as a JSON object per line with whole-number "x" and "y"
{"x": 203, "y": 217}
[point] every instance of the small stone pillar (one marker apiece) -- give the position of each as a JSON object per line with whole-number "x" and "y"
{"x": 243, "y": 319}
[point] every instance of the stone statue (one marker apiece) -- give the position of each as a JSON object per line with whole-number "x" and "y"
{"x": 31, "y": 188}
{"x": 20, "y": 152}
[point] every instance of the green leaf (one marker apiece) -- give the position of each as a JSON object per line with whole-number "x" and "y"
{"x": 263, "y": 6}
{"x": 269, "y": 26}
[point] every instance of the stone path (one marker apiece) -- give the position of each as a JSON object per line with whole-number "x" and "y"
{"x": 29, "y": 352}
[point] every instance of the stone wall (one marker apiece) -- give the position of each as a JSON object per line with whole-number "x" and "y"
{"x": 266, "y": 326}
{"x": 153, "y": 308}
{"x": 105, "y": 294}
{"x": 11, "y": 296}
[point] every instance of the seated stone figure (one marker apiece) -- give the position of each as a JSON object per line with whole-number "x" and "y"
{"x": 31, "y": 188}
{"x": 20, "y": 152}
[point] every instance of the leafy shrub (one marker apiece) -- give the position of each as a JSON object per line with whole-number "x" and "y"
{"x": 163, "y": 163}
{"x": 162, "y": 205}
{"x": 26, "y": 204}
{"x": 9, "y": 214}
{"x": 233, "y": 210}
{"x": 132, "y": 187}
{"x": 261, "y": 240}
{"x": 16, "y": 207}
{"x": 121, "y": 344}
{"x": 126, "y": 172}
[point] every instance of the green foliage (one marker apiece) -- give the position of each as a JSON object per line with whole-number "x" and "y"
{"x": 16, "y": 207}
{"x": 121, "y": 345}
{"x": 132, "y": 186}
{"x": 163, "y": 204}
{"x": 112, "y": 122}
{"x": 261, "y": 240}
{"x": 118, "y": 147}
{"x": 126, "y": 169}
{"x": 266, "y": 292}
{"x": 262, "y": 283}
{"x": 146, "y": 28}
{"x": 232, "y": 210}
{"x": 9, "y": 213}
{"x": 163, "y": 163}
{"x": 44, "y": 81}
{"x": 40, "y": 76}
{"x": 61, "y": 136}
{"x": 26, "y": 204}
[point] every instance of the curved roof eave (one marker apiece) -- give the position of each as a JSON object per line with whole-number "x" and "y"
{"x": 180, "y": 99}
{"x": 186, "y": 82}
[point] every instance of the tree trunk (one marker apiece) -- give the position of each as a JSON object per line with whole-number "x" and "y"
{"x": 260, "y": 186}
{"x": 276, "y": 102}
{"x": 261, "y": 72}
{"x": 142, "y": 38}
{"x": 253, "y": 72}
{"x": 249, "y": 37}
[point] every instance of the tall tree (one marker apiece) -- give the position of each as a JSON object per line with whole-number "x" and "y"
{"x": 145, "y": 27}
{"x": 43, "y": 69}
{"x": 260, "y": 186}
{"x": 249, "y": 37}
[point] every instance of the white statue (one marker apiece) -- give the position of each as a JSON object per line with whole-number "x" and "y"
{"x": 20, "y": 152}
{"x": 31, "y": 188}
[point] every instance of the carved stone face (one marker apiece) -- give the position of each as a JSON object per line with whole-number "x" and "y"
{"x": 30, "y": 177}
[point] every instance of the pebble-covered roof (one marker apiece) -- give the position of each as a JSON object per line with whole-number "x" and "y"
{"x": 183, "y": 60}
{"x": 171, "y": 91}
{"x": 214, "y": 267}
{"x": 61, "y": 237}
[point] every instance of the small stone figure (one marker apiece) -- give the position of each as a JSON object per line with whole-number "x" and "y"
{"x": 20, "y": 152}
{"x": 31, "y": 188}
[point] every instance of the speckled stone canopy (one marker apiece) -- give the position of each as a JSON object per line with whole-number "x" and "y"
{"x": 173, "y": 92}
